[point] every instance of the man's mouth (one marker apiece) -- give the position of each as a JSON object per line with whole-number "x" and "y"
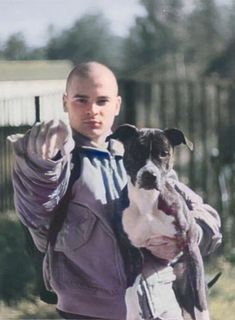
{"x": 92, "y": 123}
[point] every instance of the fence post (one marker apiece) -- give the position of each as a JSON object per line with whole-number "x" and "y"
{"x": 37, "y": 108}
{"x": 191, "y": 130}
{"x": 130, "y": 101}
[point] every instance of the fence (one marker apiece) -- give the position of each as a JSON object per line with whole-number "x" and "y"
{"x": 16, "y": 116}
{"x": 203, "y": 109}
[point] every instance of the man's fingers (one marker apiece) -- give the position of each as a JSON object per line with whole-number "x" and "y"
{"x": 50, "y": 137}
{"x": 47, "y": 138}
{"x": 165, "y": 252}
{"x": 50, "y": 146}
{"x": 164, "y": 247}
{"x": 40, "y": 139}
{"x": 32, "y": 138}
{"x": 161, "y": 239}
{"x": 65, "y": 130}
{"x": 56, "y": 136}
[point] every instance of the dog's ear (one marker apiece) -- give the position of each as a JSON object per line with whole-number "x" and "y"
{"x": 177, "y": 137}
{"x": 123, "y": 133}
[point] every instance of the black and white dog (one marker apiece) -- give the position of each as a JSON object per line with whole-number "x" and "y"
{"x": 157, "y": 208}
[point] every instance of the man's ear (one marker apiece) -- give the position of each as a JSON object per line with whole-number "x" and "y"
{"x": 65, "y": 99}
{"x": 123, "y": 133}
{"x": 176, "y": 137}
{"x": 118, "y": 105}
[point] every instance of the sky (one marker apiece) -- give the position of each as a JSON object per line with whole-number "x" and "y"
{"x": 32, "y": 17}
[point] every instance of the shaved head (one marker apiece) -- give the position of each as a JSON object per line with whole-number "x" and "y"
{"x": 91, "y": 100}
{"x": 88, "y": 71}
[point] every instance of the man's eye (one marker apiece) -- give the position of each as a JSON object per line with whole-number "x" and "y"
{"x": 102, "y": 102}
{"x": 81, "y": 100}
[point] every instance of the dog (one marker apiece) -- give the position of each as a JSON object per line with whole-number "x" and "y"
{"x": 157, "y": 207}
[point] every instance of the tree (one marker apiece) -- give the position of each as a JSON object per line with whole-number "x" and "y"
{"x": 36, "y": 53}
{"x": 204, "y": 39}
{"x": 156, "y": 34}
{"x": 88, "y": 39}
{"x": 231, "y": 20}
{"x": 15, "y": 47}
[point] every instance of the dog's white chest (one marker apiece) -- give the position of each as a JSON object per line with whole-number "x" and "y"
{"x": 142, "y": 219}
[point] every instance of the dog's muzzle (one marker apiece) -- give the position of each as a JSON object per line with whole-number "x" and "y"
{"x": 149, "y": 177}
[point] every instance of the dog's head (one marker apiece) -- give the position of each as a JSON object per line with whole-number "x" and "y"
{"x": 148, "y": 155}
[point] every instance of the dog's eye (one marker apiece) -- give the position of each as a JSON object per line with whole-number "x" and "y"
{"x": 163, "y": 154}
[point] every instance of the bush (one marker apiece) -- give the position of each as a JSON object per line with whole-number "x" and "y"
{"x": 16, "y": 269}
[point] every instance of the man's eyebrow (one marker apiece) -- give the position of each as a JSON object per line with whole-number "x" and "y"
{"x": 80, "y": 96}
{"x": 87, "y": 97}
{"x": 103, "y": 97}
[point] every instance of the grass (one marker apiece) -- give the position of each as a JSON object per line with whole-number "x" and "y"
{"x": 28, "y": 310}
{"x": 222, "y": 295}
{"x": 221, "y": 298}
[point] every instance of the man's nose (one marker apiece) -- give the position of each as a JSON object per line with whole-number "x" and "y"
{"x": 92, "y": 108}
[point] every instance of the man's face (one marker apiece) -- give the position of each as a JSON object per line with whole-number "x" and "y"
{"x": 92, "y": 104}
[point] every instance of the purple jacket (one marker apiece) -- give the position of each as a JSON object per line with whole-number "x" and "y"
{"x": 85, "y": 267}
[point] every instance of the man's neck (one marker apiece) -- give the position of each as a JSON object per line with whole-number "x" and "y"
{"x": 99, "y": 143}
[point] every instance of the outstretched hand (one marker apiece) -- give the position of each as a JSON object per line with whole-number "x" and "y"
{"x": 46, "y": 139}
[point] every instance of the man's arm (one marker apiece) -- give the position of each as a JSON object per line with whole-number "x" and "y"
{"x": 39, "y": 177}
{"x": 202, "y": 220}
{"x": 206, "y": 217}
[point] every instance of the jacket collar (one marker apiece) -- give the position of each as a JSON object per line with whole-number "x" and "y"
{"x": 113, "y": 146}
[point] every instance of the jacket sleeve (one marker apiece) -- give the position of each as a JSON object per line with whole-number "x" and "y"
{"x": 38, "y": 186}
{"x": 207, "y": 219}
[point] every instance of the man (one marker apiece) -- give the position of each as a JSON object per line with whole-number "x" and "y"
{"x": 85, "y": 266}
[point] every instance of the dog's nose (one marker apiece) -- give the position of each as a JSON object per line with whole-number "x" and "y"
{"x": 149, "y": 179}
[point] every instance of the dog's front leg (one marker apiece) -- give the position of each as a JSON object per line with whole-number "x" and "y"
{"x": 133, "y": 226}
{"x": 138, "y": 217}
{"x": 192, "y": 283}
